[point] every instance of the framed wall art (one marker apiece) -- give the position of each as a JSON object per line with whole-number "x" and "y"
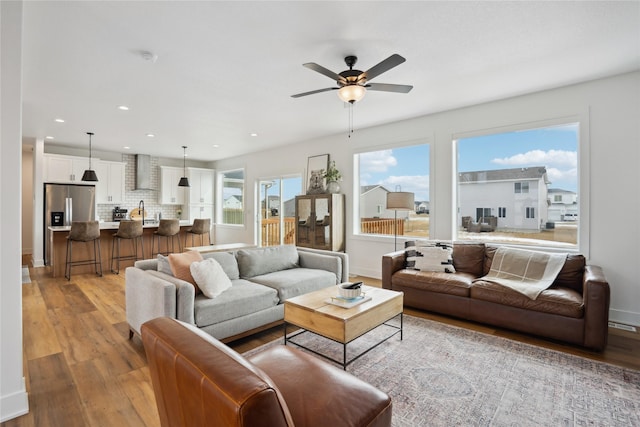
{"x": 316, "y": 168}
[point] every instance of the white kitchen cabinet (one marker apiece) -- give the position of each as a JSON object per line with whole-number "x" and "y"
{"x": 200, "y": 211}
{"x": 170, "y": 193}
{"x": 59, "y": 168}
{"x": 110, "y": 186}
{"x": 201, "y": 181}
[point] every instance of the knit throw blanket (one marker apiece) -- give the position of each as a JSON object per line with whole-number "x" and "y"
{"x": 524, "y": 271}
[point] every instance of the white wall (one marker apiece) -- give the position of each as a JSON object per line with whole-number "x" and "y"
{"x": 13, "y": 394}
{"x": 608, "y": 110}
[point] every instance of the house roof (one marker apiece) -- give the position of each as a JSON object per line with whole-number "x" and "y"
{"x": 366, "y": 188}
{"x": 200, "y": 73}
{"x": 530, "y": 173}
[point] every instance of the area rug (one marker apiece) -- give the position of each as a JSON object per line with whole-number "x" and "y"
{"x": 25, "y": 274}
{"x": 442, "y": 375}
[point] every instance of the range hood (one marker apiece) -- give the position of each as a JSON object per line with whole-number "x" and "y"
{"x": 143, "y": 172}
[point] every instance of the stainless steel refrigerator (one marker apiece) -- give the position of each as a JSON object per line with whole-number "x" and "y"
{"x": 64, "y": 203}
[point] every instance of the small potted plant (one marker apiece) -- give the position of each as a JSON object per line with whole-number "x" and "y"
{"x": 333, "y": 176}
{"x": 179, "y": 213}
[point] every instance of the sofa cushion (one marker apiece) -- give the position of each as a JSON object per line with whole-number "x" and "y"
{"x": 210, "y": 277}
{"x": 180, "y": 264}
{"x": 255, "y": 262}
{"x": 469, "y": 258}
{"x": 554, "y": 300}
{"x": 242, "y": 298}
{"x": 227, "y": 261}
{"x": 572, "y": 273}
{"x": 453, "y": 284}
{"x": 296, "y": 281}
{"x": 163, "y": 265}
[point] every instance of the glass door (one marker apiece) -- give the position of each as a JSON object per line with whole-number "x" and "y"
{"x": 276, "y": 219}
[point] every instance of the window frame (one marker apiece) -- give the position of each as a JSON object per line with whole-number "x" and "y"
{"x": 581, "y": 118}
{"x": 220, "y": 180}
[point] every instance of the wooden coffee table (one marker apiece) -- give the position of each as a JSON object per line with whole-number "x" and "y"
{"x": 343, "y": 325}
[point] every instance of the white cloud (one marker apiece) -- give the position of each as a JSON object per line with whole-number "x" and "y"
{"x": 541, "y": 158}
{"x": 558, "y": 176}
{"x": 417, "y": 184}
{"x": 377, "y": 161}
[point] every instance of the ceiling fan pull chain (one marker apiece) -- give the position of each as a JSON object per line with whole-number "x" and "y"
{"x": 350, "y": 130}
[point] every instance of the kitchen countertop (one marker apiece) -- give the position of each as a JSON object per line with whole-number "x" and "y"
{"x": 113, "y": 225}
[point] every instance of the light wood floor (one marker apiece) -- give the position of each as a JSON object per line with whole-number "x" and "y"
{"x": 82, "y": 370}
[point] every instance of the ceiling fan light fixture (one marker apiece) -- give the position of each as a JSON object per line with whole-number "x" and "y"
{"x": 351, "y": 93}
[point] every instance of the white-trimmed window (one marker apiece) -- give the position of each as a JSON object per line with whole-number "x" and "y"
{"x": 401, "y": 168}
{"x": 520, "y": 172}
{"x": 231, "y": 189}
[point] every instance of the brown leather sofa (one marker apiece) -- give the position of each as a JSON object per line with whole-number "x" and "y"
{"x": 575, "y": 309}
{"x": 198, "y": 381}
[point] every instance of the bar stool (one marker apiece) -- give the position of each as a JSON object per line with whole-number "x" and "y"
{"x": 168, "y": 228}
{"x": 130, "y": 230}
{"x": 83, "y": 231}
{"x": 200, "y": 227}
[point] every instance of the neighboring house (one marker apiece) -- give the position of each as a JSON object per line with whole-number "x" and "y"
{"x": 373, "y": 203}
{"x": 289, "y": 208}
{"x": 233, "y": 202}
{"x": 516, "y": 197}
{"x": 422, "y": 207}
{"x": 561, "y": 203}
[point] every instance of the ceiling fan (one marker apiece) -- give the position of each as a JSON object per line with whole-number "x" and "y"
{"x": 353, "y": 84}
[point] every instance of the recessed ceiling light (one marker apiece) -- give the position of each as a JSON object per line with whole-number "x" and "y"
{"x": 59, "y": 120}
{"x": 150, "y": 135}
{"x": 216, "y": 146}
{"x": 123, "y": 108}
{"x": 254, "y": 134}
{"x": 126, "y": 148}
{"x": 48, "y": 137}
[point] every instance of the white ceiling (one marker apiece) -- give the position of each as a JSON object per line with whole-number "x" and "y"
{"x": 226, "y": 69}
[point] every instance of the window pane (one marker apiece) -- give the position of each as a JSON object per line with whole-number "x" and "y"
{"x": 278, "y": 195}
{"x": 522, "y": 183}
{"x": 232, "y": 196}
{"x": 399, "y": 169}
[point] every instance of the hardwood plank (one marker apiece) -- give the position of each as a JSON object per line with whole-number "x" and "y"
{"x": 39, "y": 336}
{"x": 139, "y": 390}
{"x": 53, "y": 399}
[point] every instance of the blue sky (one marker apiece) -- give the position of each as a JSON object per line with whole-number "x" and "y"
{"x": 553, "y": 147}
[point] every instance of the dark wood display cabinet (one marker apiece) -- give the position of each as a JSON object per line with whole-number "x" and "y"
{"x": 320, "y": 221}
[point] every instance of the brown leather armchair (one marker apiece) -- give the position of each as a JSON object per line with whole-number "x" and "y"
{"x": 198, "y": 381}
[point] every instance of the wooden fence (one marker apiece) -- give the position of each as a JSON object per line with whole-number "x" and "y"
{"x": 382, "y": 226}
{"x": 271, "y": 231}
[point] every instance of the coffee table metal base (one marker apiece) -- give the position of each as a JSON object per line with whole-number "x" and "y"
{"x": 344, "y": 363}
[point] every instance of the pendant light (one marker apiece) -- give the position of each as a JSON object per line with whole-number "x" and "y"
{"x": 90, "y": 174}
{"x": 184, "y": 181}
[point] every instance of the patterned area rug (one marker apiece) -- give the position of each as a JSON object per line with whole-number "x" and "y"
{"x": 441, "y": 375}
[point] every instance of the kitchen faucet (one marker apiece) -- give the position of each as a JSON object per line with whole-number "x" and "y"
{"x": 141, "y": 205}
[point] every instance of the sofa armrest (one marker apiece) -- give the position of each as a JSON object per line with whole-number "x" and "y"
{"x": 322, "y": 262}
{"x": 343, "y": 275}
{"x": 596, "y": 296}
{"x": 185, "y": 297}
{"x": 147, "y": 297}
{"x": 391, "y": 263}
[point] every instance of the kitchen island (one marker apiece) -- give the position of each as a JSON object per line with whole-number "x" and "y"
{"x": 107, "y": 230}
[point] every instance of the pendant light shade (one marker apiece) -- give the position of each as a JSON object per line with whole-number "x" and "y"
{"x": 184, "y": 181}
{"x": 90, "y": 174}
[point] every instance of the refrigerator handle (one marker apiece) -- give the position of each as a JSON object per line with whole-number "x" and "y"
{"x": 68, "y": 208}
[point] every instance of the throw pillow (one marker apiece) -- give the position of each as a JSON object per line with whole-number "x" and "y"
{"x": 163, "y": 265}
{"x": 410, "y": 254}
{"x": 436, "y": 256}
{"x": 210, "y": 277}
{"x": 181, "y": 263}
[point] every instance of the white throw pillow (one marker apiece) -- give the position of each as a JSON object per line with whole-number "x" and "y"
{"x": 434, "y": 258}
{"x": 210, "y": 277}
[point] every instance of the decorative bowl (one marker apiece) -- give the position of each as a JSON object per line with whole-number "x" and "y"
{"x": 348, "y": 293}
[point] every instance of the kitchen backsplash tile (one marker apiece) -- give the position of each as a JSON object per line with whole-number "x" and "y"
{"x": 132, "y": 197}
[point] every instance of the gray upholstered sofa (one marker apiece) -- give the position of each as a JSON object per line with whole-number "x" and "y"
{"x": 262, "y": 278}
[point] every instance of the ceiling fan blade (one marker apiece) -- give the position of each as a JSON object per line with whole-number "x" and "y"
{"x": 392, "y": 61}
{"x": 320, "y": 69}
{"x": 298, "y": 95}
{"x": 386, "y": 87}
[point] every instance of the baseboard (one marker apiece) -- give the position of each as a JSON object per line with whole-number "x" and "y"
{"x": 37, "y": 263}
{"x": 624, "y": 317}
{"x": 364, "y": 271}
{"x": 14, "y": 405}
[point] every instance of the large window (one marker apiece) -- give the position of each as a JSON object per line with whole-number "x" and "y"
{"x": 509, "y": 186}
{"x": 277, "y": 222}
{"x": 231, "y": 187}
{"x": 395, "y": 169}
